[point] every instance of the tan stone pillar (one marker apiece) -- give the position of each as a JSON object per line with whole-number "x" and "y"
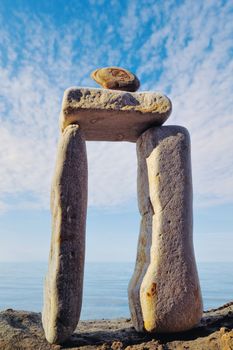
{"x": 64, "y": 280}
{"x": 164, "y": 292}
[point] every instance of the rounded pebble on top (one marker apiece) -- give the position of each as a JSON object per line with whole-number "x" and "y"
{"x": 116, "y": 78}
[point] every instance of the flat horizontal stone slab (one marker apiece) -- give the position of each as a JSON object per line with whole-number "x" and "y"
{"x": 112, "y": 115}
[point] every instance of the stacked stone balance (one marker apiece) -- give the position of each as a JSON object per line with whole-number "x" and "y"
{"x": 165, "y": 280}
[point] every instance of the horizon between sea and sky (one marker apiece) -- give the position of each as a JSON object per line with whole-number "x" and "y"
{"x": 182, "y": 48}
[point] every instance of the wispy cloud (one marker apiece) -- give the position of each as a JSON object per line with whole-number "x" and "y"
{"x": 184, "y": 50}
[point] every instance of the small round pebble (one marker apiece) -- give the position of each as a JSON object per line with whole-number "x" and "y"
{"x": 116, "y": 78}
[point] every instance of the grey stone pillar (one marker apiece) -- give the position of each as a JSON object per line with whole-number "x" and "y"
{"x": 64, "y": 280}
{"x": 164, "y": 292}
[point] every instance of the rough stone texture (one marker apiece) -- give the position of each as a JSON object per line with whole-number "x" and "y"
{"x": 64, "y": 281}
{"x": 110, "y": 115}
{"x": 164, "y": 292}
{"x": 21, "y": 330}
{"x": 116, "y": 78}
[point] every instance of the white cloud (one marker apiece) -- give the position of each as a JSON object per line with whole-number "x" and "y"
{"x": 195, "y": 69}
{"x": 112, "y": 169}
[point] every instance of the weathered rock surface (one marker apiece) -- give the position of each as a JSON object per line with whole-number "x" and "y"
{"x": 64, "y": 281}
{"x": 108, "y": 115}
{"x": 20, "y": 330}
{"x": 116, "y": 78}
{"x": 164, "y": 292}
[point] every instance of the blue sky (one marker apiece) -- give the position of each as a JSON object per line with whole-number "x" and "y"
{"x": 182, "y": 48}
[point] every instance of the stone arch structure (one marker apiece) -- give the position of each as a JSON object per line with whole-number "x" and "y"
{"x": 164, "y": 292}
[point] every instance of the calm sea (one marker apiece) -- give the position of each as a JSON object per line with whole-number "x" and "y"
{"x": 105, "y": 287}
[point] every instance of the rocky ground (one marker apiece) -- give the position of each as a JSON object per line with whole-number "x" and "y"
{"x": 20, "y": 330}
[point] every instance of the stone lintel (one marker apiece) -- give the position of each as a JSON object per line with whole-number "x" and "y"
{"x": 112, "y": 115}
